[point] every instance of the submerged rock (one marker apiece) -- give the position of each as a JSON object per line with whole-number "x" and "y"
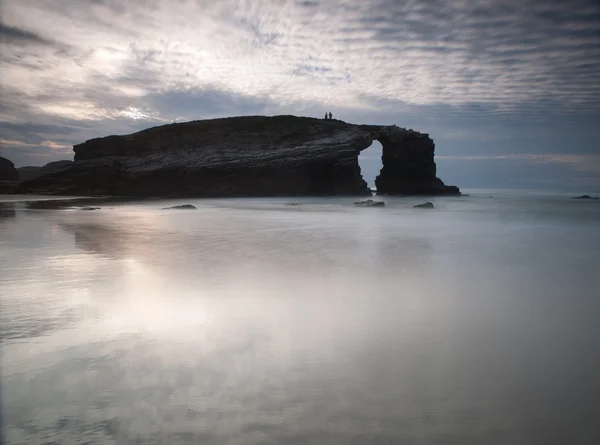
{"x": 585, "y": 197}
{"x": 425, "y": 205}
{"x": 89, "y": 208}
{"x": 369, "y": 203}
{"x": 247, "y": 156}
{"x": 181, "y": 207}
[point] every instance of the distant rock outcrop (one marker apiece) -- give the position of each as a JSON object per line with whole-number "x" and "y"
{"x": 55, "y": 167}
{"x": 181, "y": 207}
{"x": 585, "y": 197}
{"x": 425, "y": 205}
{"x": 29, "y": 172}
{"x": 369, "y": 203}
{"x": 247, "y": 156}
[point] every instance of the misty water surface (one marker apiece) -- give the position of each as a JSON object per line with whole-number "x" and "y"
{"x": 259, "y": 322}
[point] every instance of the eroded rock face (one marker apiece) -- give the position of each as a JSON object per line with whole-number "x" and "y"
{"x": 245, "y": 156}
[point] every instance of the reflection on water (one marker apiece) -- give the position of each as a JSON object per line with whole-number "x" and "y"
{"x": 253, "y": 322}
{"x": 7, "y": 210}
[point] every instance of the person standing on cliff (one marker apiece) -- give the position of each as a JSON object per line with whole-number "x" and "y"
{"x": 325, "y": 116}
{"x": 330, "y": 115}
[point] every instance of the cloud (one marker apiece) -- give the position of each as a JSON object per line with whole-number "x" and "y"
{"x": 481, "y": 76}
{"x": 334, "y": 53}
{"x": 18, "y": 36}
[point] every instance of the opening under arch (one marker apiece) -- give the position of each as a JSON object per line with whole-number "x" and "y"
{"x": 369, "y": 161}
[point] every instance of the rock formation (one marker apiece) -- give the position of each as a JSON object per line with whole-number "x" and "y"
{"x": 408, "y": 165}
{"x": 246, "y": 156}
{"x": 425, "y": 205}
{"x": 28, "y": 173}
{"x": 369, "y": 203}
{"x": 181, "y": 207}
{"x": 8, "y": 172}
{"x": 585, "y": 197}
{"x": 8, "y": 176}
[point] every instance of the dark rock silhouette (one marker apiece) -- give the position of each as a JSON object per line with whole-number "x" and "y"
{"x": 90, "y": 208}
{"x": 369, "y": 203}
{"x": 182, "y": 207}
{"x": 8, "y": 176}
{"x": 408, "y": 166}
{"x": 8, "y": 172}
{"x": 247, "y": 156}
{"x": 55, "y": 167}
{"x": 585, "y": 197}
{"x": 28, "y": 173}
{"x": 425, "y": 205}
{"x": 8, "y": 187}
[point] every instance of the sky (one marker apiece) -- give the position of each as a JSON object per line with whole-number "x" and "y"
{"x": 508, "y": 89}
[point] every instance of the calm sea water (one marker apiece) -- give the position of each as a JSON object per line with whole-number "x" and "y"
{"x": 258, "y": 322}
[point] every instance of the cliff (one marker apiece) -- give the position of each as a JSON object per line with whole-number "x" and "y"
{"x": 246, "y": 156}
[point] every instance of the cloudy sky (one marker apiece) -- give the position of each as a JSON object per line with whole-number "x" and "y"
{"x": 508, "y": 89}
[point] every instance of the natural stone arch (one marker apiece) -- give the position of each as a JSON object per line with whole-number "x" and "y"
{"x": 247, "y": 156}
{"x": 408, "y": 166}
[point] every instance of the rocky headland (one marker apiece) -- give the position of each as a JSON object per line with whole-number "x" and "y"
{"x": 246, "y": 156}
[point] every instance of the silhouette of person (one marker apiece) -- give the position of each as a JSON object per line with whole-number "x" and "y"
{"x": 330, "y": 115}
{"x": 325, "y": 116}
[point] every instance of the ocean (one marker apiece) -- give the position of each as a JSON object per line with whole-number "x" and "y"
{"x": 302, "y": 321}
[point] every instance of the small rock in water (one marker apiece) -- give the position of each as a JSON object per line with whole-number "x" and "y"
{"x": 292, "y": 203}
{"x": 425, "y": 205}
{"x": 182, "y": 207}
{"x": 585, "y": 197}
{"x": 369, "y": 203}
{"x": 89, "y": 208}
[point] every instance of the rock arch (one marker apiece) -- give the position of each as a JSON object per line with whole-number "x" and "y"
{"x": 408, "y": 166}
{"x": 247, "y": 156}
